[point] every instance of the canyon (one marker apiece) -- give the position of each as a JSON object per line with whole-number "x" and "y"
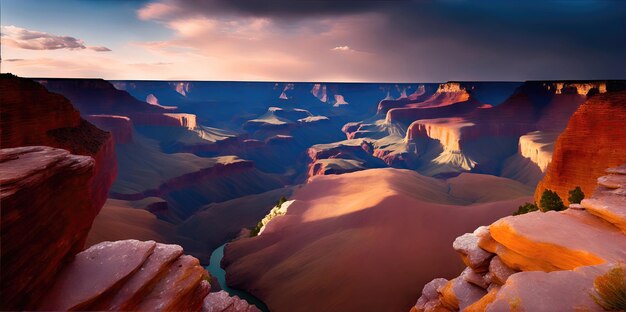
{"x": 379, "y": 179}
{"x": 70, "y": 191}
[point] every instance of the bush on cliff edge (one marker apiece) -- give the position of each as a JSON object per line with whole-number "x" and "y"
{"x": 550, "y": 200}
{"x": 526, "y": 208}
{"x": 576, "y": 196}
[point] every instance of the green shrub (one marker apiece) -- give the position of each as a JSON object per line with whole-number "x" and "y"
{"x": 255, "y": 231}
{"x": 526, "y": 208}
{"x": 610, "y": 290}
{"x": 576, "y": 196}
{"x": 550, "y": 200}
{"x": 281, "y": 201}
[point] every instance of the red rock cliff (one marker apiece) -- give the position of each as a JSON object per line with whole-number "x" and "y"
{"x": 594, "y": 140}
{"x": 47, "y": 211}
{"x": 120, "y": 126}
{"x": 30, "y": 115}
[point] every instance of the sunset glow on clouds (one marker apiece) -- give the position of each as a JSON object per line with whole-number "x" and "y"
{"x": 320, "y": 41}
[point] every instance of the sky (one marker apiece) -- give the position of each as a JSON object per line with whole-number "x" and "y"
{"x": 315, "y": 40}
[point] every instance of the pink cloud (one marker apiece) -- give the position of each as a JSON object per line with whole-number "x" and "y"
{"x": 343, "y": 48}
{"x": 36, "y": 40}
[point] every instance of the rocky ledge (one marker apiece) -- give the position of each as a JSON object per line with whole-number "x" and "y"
{"x": 539, "y": 261}
{"x": 41, "y": 232}
{"x": 136, "y": 275}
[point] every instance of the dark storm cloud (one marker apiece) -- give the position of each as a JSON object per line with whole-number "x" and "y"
{"x": 455, "y": 39}
{"x": 285, "y": 8}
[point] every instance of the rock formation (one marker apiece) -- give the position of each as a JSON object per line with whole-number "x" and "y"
{"x": 121, "y": 127}
{"x": 51, "y": 120}
{"x": 538, "y": 261}
{"x": 40, "y": 231}
{"x": 594, "y": 140}
{"x": 129, "y": 275}
{"x": 342, "y": 157}
{"x": 454, "y": 129}
{"x": 165, "y": 119}
{"x": 538, "y": 146}
{"x": 185, "y": 181}
{"x": 221, "y": 301}
{"x": 346, "y": 234}
{"x": 97, "y": 96}
{"x": 50, "y": 197}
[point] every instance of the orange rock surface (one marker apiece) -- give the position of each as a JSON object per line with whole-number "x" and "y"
{"x": 594, "y": 140}
{"x": 542, "y": 261}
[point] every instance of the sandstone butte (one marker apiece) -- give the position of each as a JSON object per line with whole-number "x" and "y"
{"x": 593, "y": 141}
{"x": 538, "y": 261}
{"x": 42, "y": 235}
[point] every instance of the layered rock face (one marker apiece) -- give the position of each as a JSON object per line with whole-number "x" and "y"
{"x": 135, "y": 275}
{"x": 595, "y": 139}
{"x": 36, "y": 185}
{"x": 166, "y": 119}
{"x": 344, "y": 230}
{"x": 342, "y": 157}
{"x": 51, "y": 120}
{"x": 120, "y": 126}
{"x": 129, "y": 275}
{"x": 185, "y": 181}
{"x": 221, "y": 301}
{"x": 99, "y": 97}
{"x": 538, "y": 261}
{"x": 533, "y": 156}
{"x": 538, "y": 146}
{"x": 456, "y": 129}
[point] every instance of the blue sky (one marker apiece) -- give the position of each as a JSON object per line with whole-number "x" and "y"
{"x": 315, "y": 40}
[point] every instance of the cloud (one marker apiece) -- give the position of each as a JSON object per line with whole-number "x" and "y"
{"x": 405, "y": 40}
{"x": 36, "y": 40}
{"x": 342, "y": 48}
{"x": 99, "y": 48}
{"x": 350, "y": 40}
{"x": 288, "y": 9}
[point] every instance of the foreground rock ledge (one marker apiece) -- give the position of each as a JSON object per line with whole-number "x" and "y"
{"x": 136, "y": 275}
{"x": 540, "y": 261}
{"x": 40, "y": 231}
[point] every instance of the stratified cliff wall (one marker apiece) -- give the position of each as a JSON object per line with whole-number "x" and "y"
{"x": 594, "y": 140}
{"x": 47, "y": 211}
{"x": 31, "y": 115}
